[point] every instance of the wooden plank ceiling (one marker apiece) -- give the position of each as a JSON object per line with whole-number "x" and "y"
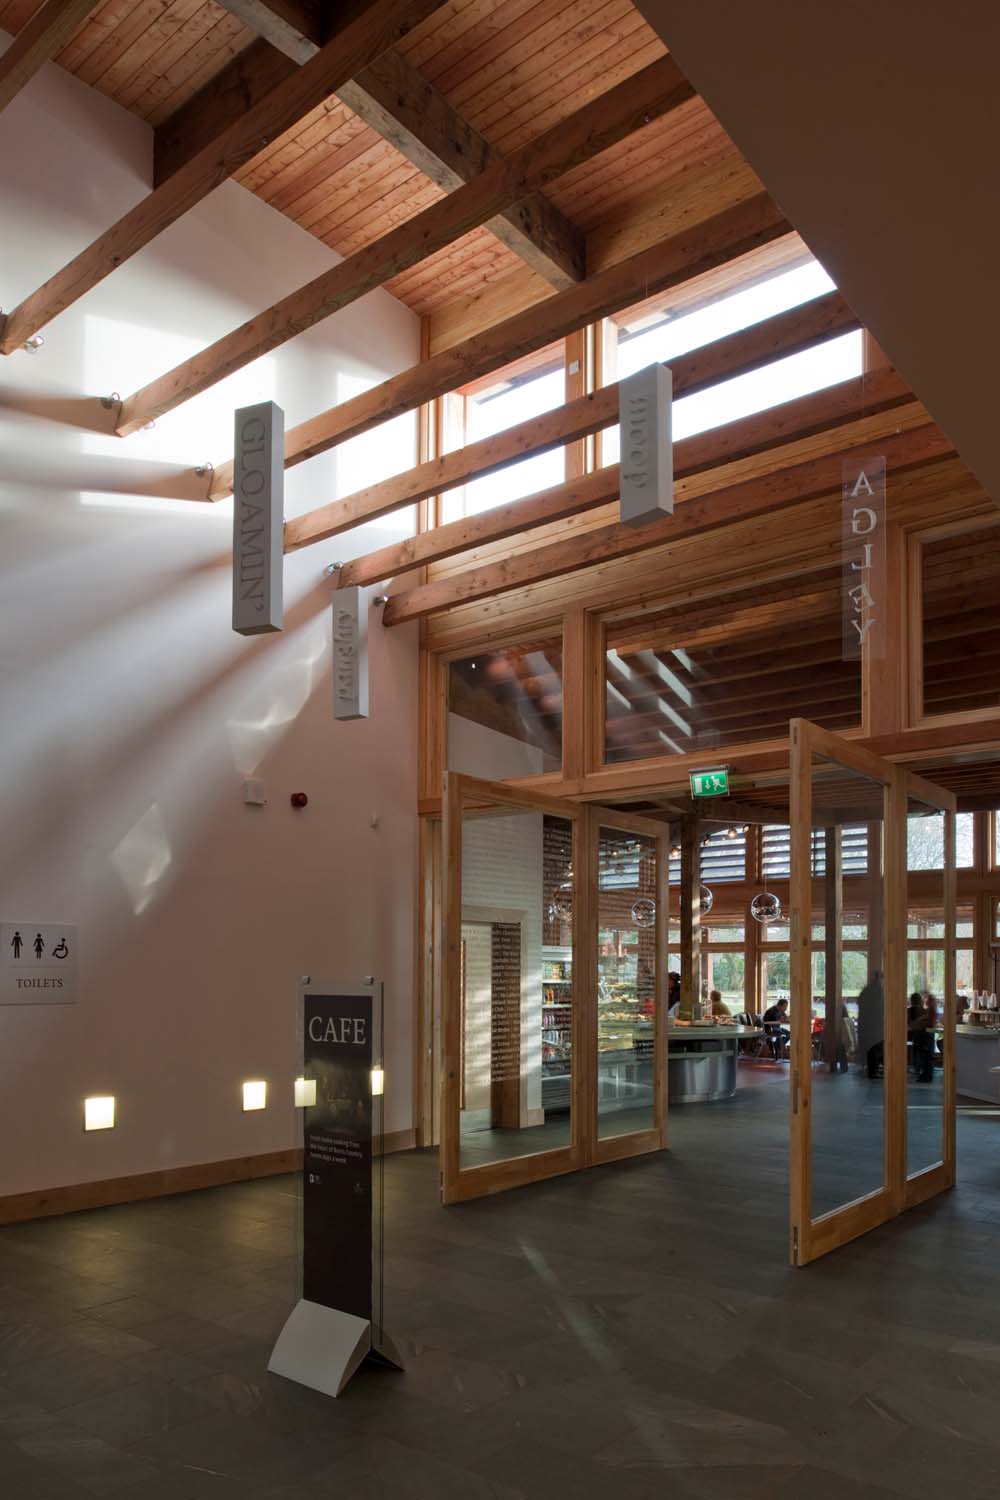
{"x": 511, "y": 68}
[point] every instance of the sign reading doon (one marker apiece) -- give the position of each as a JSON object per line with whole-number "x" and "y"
{"x": 258, "y": 519}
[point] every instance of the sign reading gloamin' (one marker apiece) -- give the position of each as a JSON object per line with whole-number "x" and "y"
{"x": 258, "y": 519}
{"x": 337, "y": 1161}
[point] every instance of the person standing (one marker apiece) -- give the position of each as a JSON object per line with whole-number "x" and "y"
{"x": 871, "y": 1024}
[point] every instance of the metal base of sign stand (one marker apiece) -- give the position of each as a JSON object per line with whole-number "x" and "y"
{"x": 322, "y": 1348}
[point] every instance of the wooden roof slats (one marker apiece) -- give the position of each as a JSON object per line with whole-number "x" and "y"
{"x": 801, "y": 328}
{"x": 709, "y": 243}
{"x": 763, "y": 432}
{"x": 763, "y": 495}
{"x": 40, "y": 38}
{"x": 350, "y": 50}
{"x": 604, "y": 119}
{"x": 428, "y": 130}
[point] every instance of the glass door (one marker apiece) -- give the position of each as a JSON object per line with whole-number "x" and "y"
{"x": 513, "y": 992}
{"x": 853, "y": 1122}
{"x": 628, "y": 877}
{"x": 554, "y": 967}
{"x": 930, "y": 988}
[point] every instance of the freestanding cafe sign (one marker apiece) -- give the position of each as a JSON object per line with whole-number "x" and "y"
{"x": 713, "y": 783}
{"x": 646, "y": 465}
{"x": 863, "y": 481}
{"x": 337, "y": 1322}
{"x": 258, "y": 519}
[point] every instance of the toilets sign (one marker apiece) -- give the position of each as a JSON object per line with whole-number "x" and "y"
{"x": 864, "y": 601}
{"x": 38, "y": 963}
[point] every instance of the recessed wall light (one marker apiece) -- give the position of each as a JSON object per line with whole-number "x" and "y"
{"x": 99, "y": 1112}
{"x": 255, "y": 1094}
{"x": 378, "y": 1081}
{"x": 305, "y": 1092}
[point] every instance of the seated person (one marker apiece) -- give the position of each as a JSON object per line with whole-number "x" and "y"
{"x": 716, "y": 1005}
{"x": 673, "y": 993}
{"x": 777, "y": 1037}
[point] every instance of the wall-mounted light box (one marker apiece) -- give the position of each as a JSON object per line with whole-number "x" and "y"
{"x": 378, "y": 1081}
{"x": 99, "y": 1112}
{"x": 255, "y": 1094}
{"x": 305, "y": 1092}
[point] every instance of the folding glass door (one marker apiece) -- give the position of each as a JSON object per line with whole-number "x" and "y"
{"x": 871, "y": 1075}
{"x": 553, "y": 1021}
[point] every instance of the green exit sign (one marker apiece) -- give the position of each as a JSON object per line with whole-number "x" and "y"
{"x": 710, "y": 783}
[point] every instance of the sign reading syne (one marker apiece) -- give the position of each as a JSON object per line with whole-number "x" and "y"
{"x": 337, "y": 1160}
{"x": 258, "y": 519}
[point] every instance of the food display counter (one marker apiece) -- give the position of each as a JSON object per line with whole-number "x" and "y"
{"x": 977, "y": 1053}
{"x": 701, "y": 1063}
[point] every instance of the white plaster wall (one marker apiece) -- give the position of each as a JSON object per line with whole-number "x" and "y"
{"x": 129, "y": 712}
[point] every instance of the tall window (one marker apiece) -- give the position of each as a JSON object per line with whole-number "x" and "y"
{"x": 533, "y": 385}
{"x": 655, "y": 332}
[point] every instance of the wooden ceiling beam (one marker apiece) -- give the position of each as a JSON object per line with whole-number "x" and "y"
{"x": 695, "y": 455}
{"x": 601, "y": 123}
{"x": 722, "y": 237}
{"x": 788, "y": 333}
{"x": 405, "y": 108}
{"x": 244, "y": 81}
{"x": 770, "y": 492}
{"x": 352, "y": 47}
{"x": 38, "y": 41}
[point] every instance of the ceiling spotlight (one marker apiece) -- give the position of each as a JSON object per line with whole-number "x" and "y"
{"x": 732, "y": 833}
{"x": 32, "y": 345}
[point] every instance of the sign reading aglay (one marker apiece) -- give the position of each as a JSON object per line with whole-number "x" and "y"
{"x": 258, "y": 519}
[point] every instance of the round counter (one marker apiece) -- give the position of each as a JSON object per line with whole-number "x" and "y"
{"x": 701, "y": 1062}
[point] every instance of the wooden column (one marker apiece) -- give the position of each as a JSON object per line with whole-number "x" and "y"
{"x": 834, "y": 946}
{"x": 752, "y": 928}
{"x": 575, "y": 686}
{"x": 876, "y": 904}
{"x": 690, "y": 914}
{"x": 579, "y": 348}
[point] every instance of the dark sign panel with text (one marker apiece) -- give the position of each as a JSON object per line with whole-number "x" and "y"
{"x": 337, "y": 1162}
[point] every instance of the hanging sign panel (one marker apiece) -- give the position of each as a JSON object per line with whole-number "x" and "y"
{"x": 350, "y": 654}
{"x": 646, "y": 464}
{"x": 258, "y": 519}
{"x": 864, "y": 585}
{"x": 38, "y": 963}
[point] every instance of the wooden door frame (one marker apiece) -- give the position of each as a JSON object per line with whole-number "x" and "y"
{"x": 463, "y": 794}
{"x": 637, "y": 1143}
{"x": 930, "y": 1181}
{"x": 809, "y": 1237}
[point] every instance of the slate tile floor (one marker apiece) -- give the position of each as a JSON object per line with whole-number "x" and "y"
{"x": 630, "y": 1332}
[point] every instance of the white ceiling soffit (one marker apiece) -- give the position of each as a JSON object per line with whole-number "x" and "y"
{"x": 875, "y": 124}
